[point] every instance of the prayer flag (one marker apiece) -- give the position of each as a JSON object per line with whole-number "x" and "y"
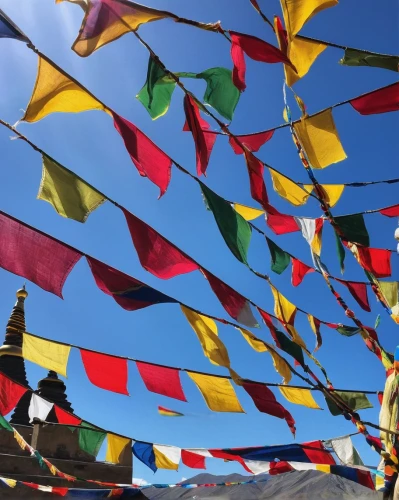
{"x": 266, "y": 402}
{"x": 235, "y": 230}
{"x": 347, "y": 331}
{"x": 293, "y": 348}
{"x": 298, "y": 12}
{"x": 156, "y": 254}
{"x": 128, "y": 292}
{"x": 253, "y": 142}
{"x": 340, "y": 251}
{"x": 332, "y": 193}
{"x": 50, "y": 355}
{"x": 280, "y": 223}
{"x": 70, "y": 196}
{"x": 218, "y": 392}
{"x": 148, "y": 158}
{"x": 299, "y": 271}
{"x": 283, "y": 308}
{"x": 9, "y": 30}
{"x": 355, "y": 400}
{"x": 375, "y": 260}
{"x": 256, "y": 49}
{"x": 64, "y": 417}
{"x": 191, "y": 458}
{"x": 105, "y": 371}
{"x": 353, "y": 229}
{"x": 204, "y": 141}
{"x": 319, "y": 138}
{"x": 389, "y": 290}
{"x": 345, "y": 451}
{"x": 390, "y": 211}
{"x": 10, "y": 394}
{"x": 358, "y": 292}
{"x": 255, "y": 171}
{"x": 235, "y": 304}
{"x": 299, "y": 397}
{"x": 167, "y": 457}
{"x": 382, "y": 100}
{"x": 39, "y": 408}
{"x": 161, "y": 380}
{"x": 288, "y": 189}
{"x": 5, "y": 425}
{"x": 312, "y": 232}
{"x": 248, "y": 213}
{"x": 354, "y": 57}
{"x": 165, "y": 412}
{"x": 116, "y": 445}
{"x": 302, "y": 54}
{"x": 57, "y": 92}
{"x": 315, "y": 326}
{"x": 90, "y": 438}
{"x": 35, "y": 256}
{"x": 280, "y": 258}
{"x": 145, "y": 453}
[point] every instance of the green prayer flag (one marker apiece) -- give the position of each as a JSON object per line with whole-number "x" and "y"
{"x": 5, "y": 425}
{"x": 290, "y": 347}
{"x": 233, "y": 227}
{"x": 341, "y": 252}
{"x": 355, "y": 400}
{"x": 355, "y": 57}
{"x": 90, "y": 441}
{"x": 280, "y": 259}
{"x": 348, "y": 331}
{"x": 389, "y": 290}
{"x": 353, "y": 228}
{"x": 70, "y": 196}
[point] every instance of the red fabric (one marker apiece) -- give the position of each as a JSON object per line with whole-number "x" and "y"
{"x": 364, "y": 478}
{"x": 379, "y": 101}
{"x": 376, "y": 261}
{"x": 10, "y": 394}
{"x": 281, "y": 35}
{"x": 56, "y": 490}
{"x": 227, "y": 456}
{"x": 266, "y": 402}
{"x": 192, "y": 460}
{"x": 148, "y": 158}
{"x": 358, "y": 292}
{"x": 279, "y": 468}
{"x": 280, "y": 223}
{"x": 35, "y": 256}
{"x": 390, "y": 211}
{"x": 269, "y": 323}
{"x": 252, "y": 141}
{"x": 257, "y": 183}
{"x": 106, "y": 372}
{"x": 299, "y": 271}
{"x": 64, "y": 417}
{"x": 156, "y": 254}
{"x": 319, "y": 456}
{"x": 204, "y": 141}
{"x": 161, "y": 380}
{"x": 256, "y": 49}
{"x": 380, "y": 395}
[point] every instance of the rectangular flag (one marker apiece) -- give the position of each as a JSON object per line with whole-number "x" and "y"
{"x": 355, "y": 57}
{"x": 46, "y": 353}
{"x": 105, "y": 371}
{"x": 167, "y": 457}
{"x": 298, "y": 12}
{"x": 161, "y": 380}
{"x": 297, "y": 396}
{"x": 382, "y": 100}
{"x": 39, "y": 408}
{"x": 116, "y": 445}
{"x": 145, "y": 453}
{"x": 10, "y": 394}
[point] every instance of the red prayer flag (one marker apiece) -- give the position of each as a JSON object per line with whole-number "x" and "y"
{"x": 358, "y": 292}
{"x": 390, "y": 211}
{"x": 256, "y": 49}
{"x": 218, "y": 453}
{"x": 204, "y": 141}
{"x": 266, "y": 402}
{"x": 317, "y": 454}
{"x": 252, "y": 141}
{"x": 281, "y": 35}
{"x": 375, "y": 260}
{"x": 192, "y": 460}
{"x": 157, "y": 255}
{"x": 64, "y": 417}
{"x": 148, "y": 158}
{"x": 299, "y": 271}
{"x": 257, "y": 183}
{"x": 106, "y": 372}
{"x": 378, "y": 101}
{"x": 161, "y": 380}
{"x": 10, "y": 394}
{"x": 280, "y": 223}
{"x": 280, "y": 468}
{"x": 39, "y": 258}
{"x": 269, "y": 323}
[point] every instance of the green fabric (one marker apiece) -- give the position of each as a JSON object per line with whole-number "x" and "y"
{"x": 5, "y": 425}
{"x": 389, "y": 290}
{"x": 353, "y": 228}
{"x": 355, "y": 400}
{"x": 280, "y": 259}
{"x": 90, "y": 441}
{"x": 233, "y": 227}
{"x": 340, "y": 252}
{"x": 356, "y": 458}
{"x": 348, "y": 331}
{"x": 288, "y": 346}
{"x": 354, "y": 57}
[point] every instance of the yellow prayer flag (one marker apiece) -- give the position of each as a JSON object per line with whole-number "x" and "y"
{"x": 283, "y": 308}
{"x": 70, "y": 196}
{"x": 389, "y": 290}
{"x": 302, "y": 53}
{"x": 333, "y": 193}
{"x": 256, "y": 344}
{"x": 167, "y": 457}
{"x": 248, "y": 213}
{"x": 319, "y": 138}
{"x": 323, "y": 468}
{"x": 50, "y": 355}
{"x": 288, "y": 190}
{"x": 296, "y": 337}
{"x": 9, "y": 482}
{"x": 115, "y": 447}
{"x": 299, "y": 397}
{"x": 56, "y": 92}
{"x": 298, "y": 12}
{"x": 218, "y": 392}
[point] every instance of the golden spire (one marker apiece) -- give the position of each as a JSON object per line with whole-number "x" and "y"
{"x": 12, "y": 345}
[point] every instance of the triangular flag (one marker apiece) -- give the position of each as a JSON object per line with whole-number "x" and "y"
{"x": 280, "y": 258}
{"x": 299, "y": 271}
{"x": 39, "y": 408}
{"x": 288, "y": 189}
{"x": 253, "y": 142}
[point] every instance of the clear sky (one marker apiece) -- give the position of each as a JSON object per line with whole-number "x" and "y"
{"x": 88, "y": 144}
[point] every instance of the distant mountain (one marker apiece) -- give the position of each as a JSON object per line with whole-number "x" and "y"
{"x": 295, "y": 485}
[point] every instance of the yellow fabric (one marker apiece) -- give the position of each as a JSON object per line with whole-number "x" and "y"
{"x": 162, "y": 461}
{"x": 288, "y": 190}
{"x": 333, "y": 193}
{"x": 115, "y": 446}
{"x": 256, "y": 344}
{"x": 319, "y": 138}
{"x": 389, "y": 290}
{"x": 297, "y": 12}
{"x": 283, "y": 308}
{"x": 389, "y": 413}
{"x": 70, "y": 196}
{"x": 218, "y": 393}
{"x": 9, "y": 482}
{"x": 296, "y": 337}
{"x": 323, "y": 468}
{"x": 299, "y": 397}
{"x": 302, "y": 53}
{"x": 316, "y": 242}
{"x": 48, "y": 354}
{"x": 248, "y": 213}
{"x": 55, "y": 92}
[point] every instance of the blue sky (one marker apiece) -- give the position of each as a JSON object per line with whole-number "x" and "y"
{"x": 88, "y": 144}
